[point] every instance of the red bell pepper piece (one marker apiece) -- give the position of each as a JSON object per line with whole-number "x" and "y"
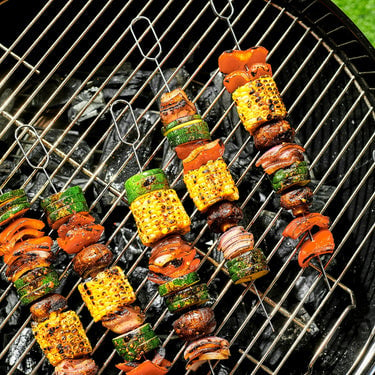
{"x": 322, "y": 243}
{"x": 78, "y": 219}
{"x": 302, "y": 224}
{"x": 79, "y": 237}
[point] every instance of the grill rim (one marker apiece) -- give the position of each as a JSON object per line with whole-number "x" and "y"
{"x": 364, "y": 51}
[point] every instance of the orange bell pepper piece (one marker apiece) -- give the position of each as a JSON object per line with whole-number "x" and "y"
{"x": 170, "y": 258}
{"x": 24, "y": 264}
{"x": 30, "y": 245}
{"x": 145, "y": 368}
{"x": 238, "y": 78}
{"x": 230, "y": 61}
{"x": 47, "y": 255}
{"x": 127, "y": 366}
{"x": 201, "y": 155}
{"x": 41, "y": 243}
{"x": 302, "y": 224}
{"x": 6, "y": 236}
{"x": 157, "y": 278}
{"x": 8, "y": 247}
{"x": 175, "y": 264}
{"x": 184, "y": 150}
{"x": 322, "y": 243}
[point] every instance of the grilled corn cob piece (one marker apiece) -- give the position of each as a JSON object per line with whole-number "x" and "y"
{"x": 158, "y": 214}
{"x": 107, "y": 292}
{"x": 210, "y": 183}
{"x": 62, "y": 336}
{"x": 258, "y": 101}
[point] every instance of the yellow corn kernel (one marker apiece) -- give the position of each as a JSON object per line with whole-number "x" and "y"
{"x": 158, "y": 214}
{"x": 258, "y": 101}
{"x": 62, "y": 336}
{"x": 107, "y": 292}
{"x": 210, "y": 183}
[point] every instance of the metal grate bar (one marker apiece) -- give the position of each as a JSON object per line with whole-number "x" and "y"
{"x": 257, "y": 22}
{"x": 26, "y": 30}
{"x": 24, "y": 62}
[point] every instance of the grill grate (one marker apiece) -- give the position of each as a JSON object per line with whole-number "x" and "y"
{"x": 70, "y": 60}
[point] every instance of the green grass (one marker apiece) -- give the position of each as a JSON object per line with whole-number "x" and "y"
{"x": 362, "y": 13}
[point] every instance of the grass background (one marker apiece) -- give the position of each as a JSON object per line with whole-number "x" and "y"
{"x": 362, "y": 13}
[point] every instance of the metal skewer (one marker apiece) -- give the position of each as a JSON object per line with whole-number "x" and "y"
{"x": 320, "y": 262}
{"x": 135, "y": 124}
{"x": 227, "y": 19}
{"x": 148, "y": 54}
{"x": 263, "y": 307}
{"x": 25, "y": 154}
{"x": 324, "y": 273}
{"x": 211, "y": 368}
{"x": 155, "y": 59}
{"x": 230, "y": 26}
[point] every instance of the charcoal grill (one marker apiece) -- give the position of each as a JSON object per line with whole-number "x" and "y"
{"x": 64, "y": 63}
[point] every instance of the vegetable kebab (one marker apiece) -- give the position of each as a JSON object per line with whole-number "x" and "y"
{"x": 28, "y": 256}
{"x": 105, "y": 290}
{"x": 162, "y": 221}
{"x": 210, "y": 184}
{"x": 249, "y": 79}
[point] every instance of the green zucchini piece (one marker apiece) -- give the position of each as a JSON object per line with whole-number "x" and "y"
{"x": 64, "y": 201}
{"x": 12, "y": 202}
{"x": 186, "y": 298}
{"x": 132, "y": 345}
{"x": 191, "y": 132}
{"x": 38, "y": 287}
{"x": 14, "y": 212}
{"x": 11, "y": 194}
{"x": 296, "y": 174}
{"x": 248, "y": 266}
{"x": 145, "y": 182}
{"x": 67, "y": 211}
{"x": 55, "y": 197}
{"x": 178, "y": 284}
